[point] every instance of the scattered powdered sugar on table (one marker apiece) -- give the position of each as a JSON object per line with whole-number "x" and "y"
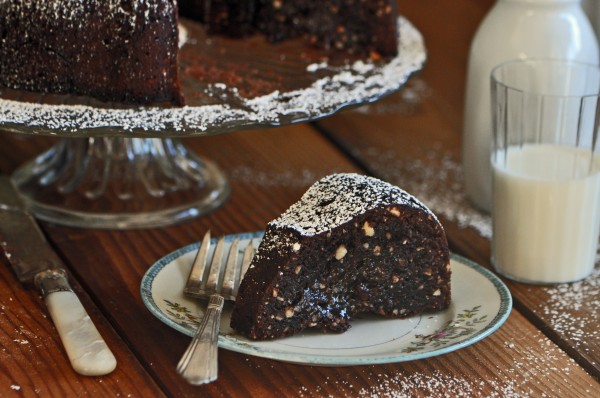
{"x": 566, "y": 304}
{"x": 351, "y": 84}
{"x": 275, "y": 179}
{"x": 519, "y": 379}
{"x": 438, "y": 384}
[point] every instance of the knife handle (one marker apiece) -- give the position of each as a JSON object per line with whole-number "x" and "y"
{"x": 87, "y": 351}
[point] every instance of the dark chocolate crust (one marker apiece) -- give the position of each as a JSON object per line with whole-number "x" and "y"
{"x": 390, "y": 258}
{"x": 364, "y": 27}
{"x": 126, "y": 50}
{"x": 233, "y": 18}
{"x": 123, "y": 51}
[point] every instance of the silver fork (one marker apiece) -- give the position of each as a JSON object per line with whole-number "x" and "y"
{"x": 199, "y": 363}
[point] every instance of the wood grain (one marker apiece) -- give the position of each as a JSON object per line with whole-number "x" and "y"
{"x": 410, "y": 138}
{"x": 116, "y": 260}
{"x": 32, "y": 357}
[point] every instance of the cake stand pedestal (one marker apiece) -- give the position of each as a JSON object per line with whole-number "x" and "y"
{"x": 125, "y": 167}
{"x": 115, "y": 182}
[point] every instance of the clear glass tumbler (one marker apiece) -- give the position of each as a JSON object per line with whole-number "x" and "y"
{"x": 546, "y": 170}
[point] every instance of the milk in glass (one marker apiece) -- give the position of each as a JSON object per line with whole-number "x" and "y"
{"x": 546, "y": 212}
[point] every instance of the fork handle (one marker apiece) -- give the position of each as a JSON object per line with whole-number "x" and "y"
{"x": 198, "y": 364}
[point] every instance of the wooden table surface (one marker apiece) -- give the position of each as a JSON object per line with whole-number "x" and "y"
{"x": 549, "y": 346}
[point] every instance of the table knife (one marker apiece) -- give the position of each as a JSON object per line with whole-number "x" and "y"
{"x": 34, "y": 261}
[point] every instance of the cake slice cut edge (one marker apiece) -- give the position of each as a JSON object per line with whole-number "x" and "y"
{"x": 352, "y": 244}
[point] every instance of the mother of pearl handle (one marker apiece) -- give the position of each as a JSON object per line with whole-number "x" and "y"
{"x": 85, "y": 347}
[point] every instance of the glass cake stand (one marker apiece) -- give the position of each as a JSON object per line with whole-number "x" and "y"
{"x": 125, "y": 167}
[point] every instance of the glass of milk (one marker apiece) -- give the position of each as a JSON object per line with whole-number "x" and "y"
{"x": 546, "y": 170}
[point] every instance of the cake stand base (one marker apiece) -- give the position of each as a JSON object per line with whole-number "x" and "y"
{"x": 120, "y": 183}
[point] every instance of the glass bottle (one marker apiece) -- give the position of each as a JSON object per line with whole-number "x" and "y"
{"x": 514, "y": 29}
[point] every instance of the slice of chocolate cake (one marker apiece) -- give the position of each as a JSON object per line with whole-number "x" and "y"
{"x": 352, "y": 244}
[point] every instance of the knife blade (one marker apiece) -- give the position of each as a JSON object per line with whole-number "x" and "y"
{"x": 34, "y": 261}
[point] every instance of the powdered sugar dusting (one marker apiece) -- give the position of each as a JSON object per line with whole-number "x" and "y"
{"x": 521, "y": 379}
{"x": 436, "y": 179}
{"x": 355, "y": 83}
{"x": 361, "y": 81}
{"x": 572, "y": 310}
{"x": 77, "y": 11}
{"x": 338, "y": 198}
{"x": 534, "y": 371}
{"x": 61, "y": 120}
{"x": 183, "y": 35}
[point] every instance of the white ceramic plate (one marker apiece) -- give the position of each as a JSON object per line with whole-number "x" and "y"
{"x": 480, "y": 304}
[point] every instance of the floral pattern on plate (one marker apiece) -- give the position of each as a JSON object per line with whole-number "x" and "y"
{"x": 480, "y": 305}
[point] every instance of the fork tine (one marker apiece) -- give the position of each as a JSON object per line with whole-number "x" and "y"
{"x": 246, "y": 260}
{"x": 231, "y": 271}
{"x": 210, "y": 286}
{"x": 207, "y": 278}
{"x": 197, "y": 272}
{"x": 248, "y": 254}
{"x": 198, "y": 364}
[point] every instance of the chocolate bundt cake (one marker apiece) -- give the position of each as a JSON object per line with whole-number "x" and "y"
{"x": 112, "y": 50}
{"x": 352, "y": 244}
{"x": 364, "y": 27}
{"x": 126, "y": 50}
{"x": 234, "y": 18}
